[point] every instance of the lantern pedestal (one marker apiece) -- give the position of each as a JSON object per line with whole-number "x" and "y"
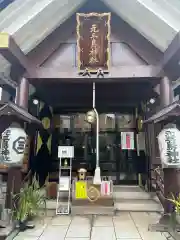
{"x": 14, "y": 184}
{"x": 10, "y": 113}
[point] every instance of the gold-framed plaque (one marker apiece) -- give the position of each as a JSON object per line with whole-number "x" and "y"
{"x": 93, "y": 41}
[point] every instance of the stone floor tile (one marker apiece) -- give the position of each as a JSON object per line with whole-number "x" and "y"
{"x": 78, "y": 220}
{"x": 142, "y": 220}
{"x": 125, "y": 221}
{"x": 61, "y": 220}
{"x": 126, "y": 231}
{"x": 77, "y": 238}
{"x": 127, "y": 234}
{"x": 125, "y": 227}
{"x": 54, "y": 232}
{"x": 147, "y": 235}
{"x": 35, "y": 232}
{"x": 122, "y": 216}
{"x": 25, "y": 238}
{"x": 105, "y": 233}
{"x": 103, "y": 221}
{"x": 78, "y": 231}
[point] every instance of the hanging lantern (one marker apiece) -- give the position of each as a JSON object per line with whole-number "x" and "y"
{"x": 91, "y": 117}
{"x": 13, "y": 145}
{"x": 169, "y": 147}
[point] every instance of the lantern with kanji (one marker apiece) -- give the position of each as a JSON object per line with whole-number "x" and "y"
{"x": 13, "y": 145}
{"x": 169, "y": 147}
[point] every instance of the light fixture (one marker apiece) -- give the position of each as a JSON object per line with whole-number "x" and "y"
{"x": 35, "y": 101}
{"x": 152, "y": 100}
{"x": 91, "y": 117}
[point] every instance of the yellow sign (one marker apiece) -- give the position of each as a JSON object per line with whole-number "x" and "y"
{"x": 81, "y": 190}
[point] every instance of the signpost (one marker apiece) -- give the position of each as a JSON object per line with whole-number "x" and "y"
{"x": 65, "y": 153}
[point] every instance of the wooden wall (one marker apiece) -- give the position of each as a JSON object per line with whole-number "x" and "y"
{"x": 66, "y": 55}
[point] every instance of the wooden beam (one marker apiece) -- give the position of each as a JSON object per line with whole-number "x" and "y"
{"x": 171, "y": 59}
{"x": 12, "y": 53}
{"x": 89, "y": 105}
{"x": 172, "y": 52}
{"x": 116, "y": 74}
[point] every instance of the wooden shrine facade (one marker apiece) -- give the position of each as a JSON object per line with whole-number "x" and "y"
{"x": 63, "y": 86}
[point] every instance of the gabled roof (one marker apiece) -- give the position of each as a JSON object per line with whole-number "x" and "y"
{"x": 31, "y": 21}
{"x": 157, "y": 21}
{"x": 11, "y": 109}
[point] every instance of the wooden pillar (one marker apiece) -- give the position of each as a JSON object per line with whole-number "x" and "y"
{"x": 166, "y": 92}
{"x": 14, "y": 173}
{"x": 171, "y": 175}
{"x": 22, "y": 94}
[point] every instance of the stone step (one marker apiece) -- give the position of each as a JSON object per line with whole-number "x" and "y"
{"x": 137, "y": 205}
{"x": 79, "y": 210}
{"x": 124, "y": 192}
{"x": 131, "y": 195}
{"x": 126, "y": 198}
{"x": 127, "y": 188}
{"x": 92, "y": 210}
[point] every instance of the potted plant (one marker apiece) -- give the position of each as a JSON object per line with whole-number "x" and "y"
{"x": 176, "y": 202}
{"x": 28, "y": 203}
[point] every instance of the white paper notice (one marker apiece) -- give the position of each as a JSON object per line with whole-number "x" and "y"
{"x": 127, "y": 140}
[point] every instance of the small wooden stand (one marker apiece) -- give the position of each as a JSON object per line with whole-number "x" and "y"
{"x": 90, "y": 200}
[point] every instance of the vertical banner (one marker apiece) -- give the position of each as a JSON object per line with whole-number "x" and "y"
{"x": 93, "y": 41}
{"x": 127, "y": 140}
{"x": 44, "y": 135}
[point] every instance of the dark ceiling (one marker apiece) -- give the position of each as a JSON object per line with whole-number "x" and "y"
{"x": 78, "y": 96}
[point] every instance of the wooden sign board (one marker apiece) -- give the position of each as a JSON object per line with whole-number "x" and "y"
{"x": 93, "y": 41}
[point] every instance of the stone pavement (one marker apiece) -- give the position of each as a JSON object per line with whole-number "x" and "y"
{"x": 124, "y": 226}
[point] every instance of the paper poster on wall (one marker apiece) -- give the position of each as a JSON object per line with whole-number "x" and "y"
{"x": 65, "y": 151}
{"x": 127, "y": 140}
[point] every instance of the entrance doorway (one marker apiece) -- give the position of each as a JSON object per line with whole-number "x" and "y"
{"x": 116, "y": 104}
{"x": 116, "y": 162}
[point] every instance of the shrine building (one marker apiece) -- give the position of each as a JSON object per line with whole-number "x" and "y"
{"x": 51, "y": 54}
